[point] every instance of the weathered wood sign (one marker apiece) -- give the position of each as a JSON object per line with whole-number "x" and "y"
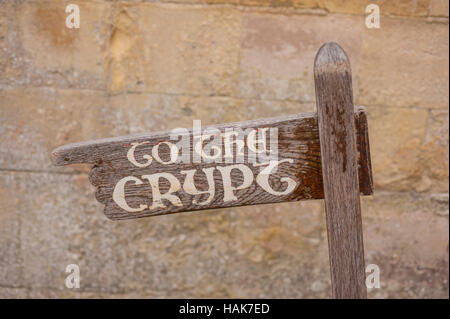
{"x": 291, "y": 158}
{"x": 146, "y": 175}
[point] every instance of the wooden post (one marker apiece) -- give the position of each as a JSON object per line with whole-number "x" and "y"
{"x": 333, "y": 81}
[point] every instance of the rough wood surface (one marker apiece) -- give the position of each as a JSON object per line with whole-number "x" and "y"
{"x": 338, "y": 144}
{"x": 298, "y": 141}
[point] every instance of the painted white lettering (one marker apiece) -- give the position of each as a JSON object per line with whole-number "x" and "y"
{"x": 119, "y": 194}
{"x": 132, "y": 158}
{"x": 156, "y": 193}
{"x": 263, "y": 178}
{"x": 189, "y": 185}
{"x": 173, "y": 153}
{"x": 228, "y": 188}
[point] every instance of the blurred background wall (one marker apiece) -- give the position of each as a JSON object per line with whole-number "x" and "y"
{"x": 142, "y": 66}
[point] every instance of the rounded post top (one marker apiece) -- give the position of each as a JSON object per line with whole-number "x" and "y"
{"x": 331, "y": 58}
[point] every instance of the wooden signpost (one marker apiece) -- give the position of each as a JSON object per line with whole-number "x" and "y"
{"x": 291, "y": 158}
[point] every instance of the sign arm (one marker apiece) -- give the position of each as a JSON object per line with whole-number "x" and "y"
{"x": 76, "y": 153}
{"x": 339, "y": 157}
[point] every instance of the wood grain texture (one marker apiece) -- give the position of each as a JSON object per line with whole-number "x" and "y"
{"x": 298, "y": 140}
{"x": 339, "y": 157}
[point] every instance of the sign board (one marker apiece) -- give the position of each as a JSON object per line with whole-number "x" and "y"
{"x": 290, "y": 158}
{"x": 256, "y": 162}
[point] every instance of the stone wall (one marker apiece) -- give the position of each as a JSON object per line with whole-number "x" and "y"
{"x": 141, "y": 66}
